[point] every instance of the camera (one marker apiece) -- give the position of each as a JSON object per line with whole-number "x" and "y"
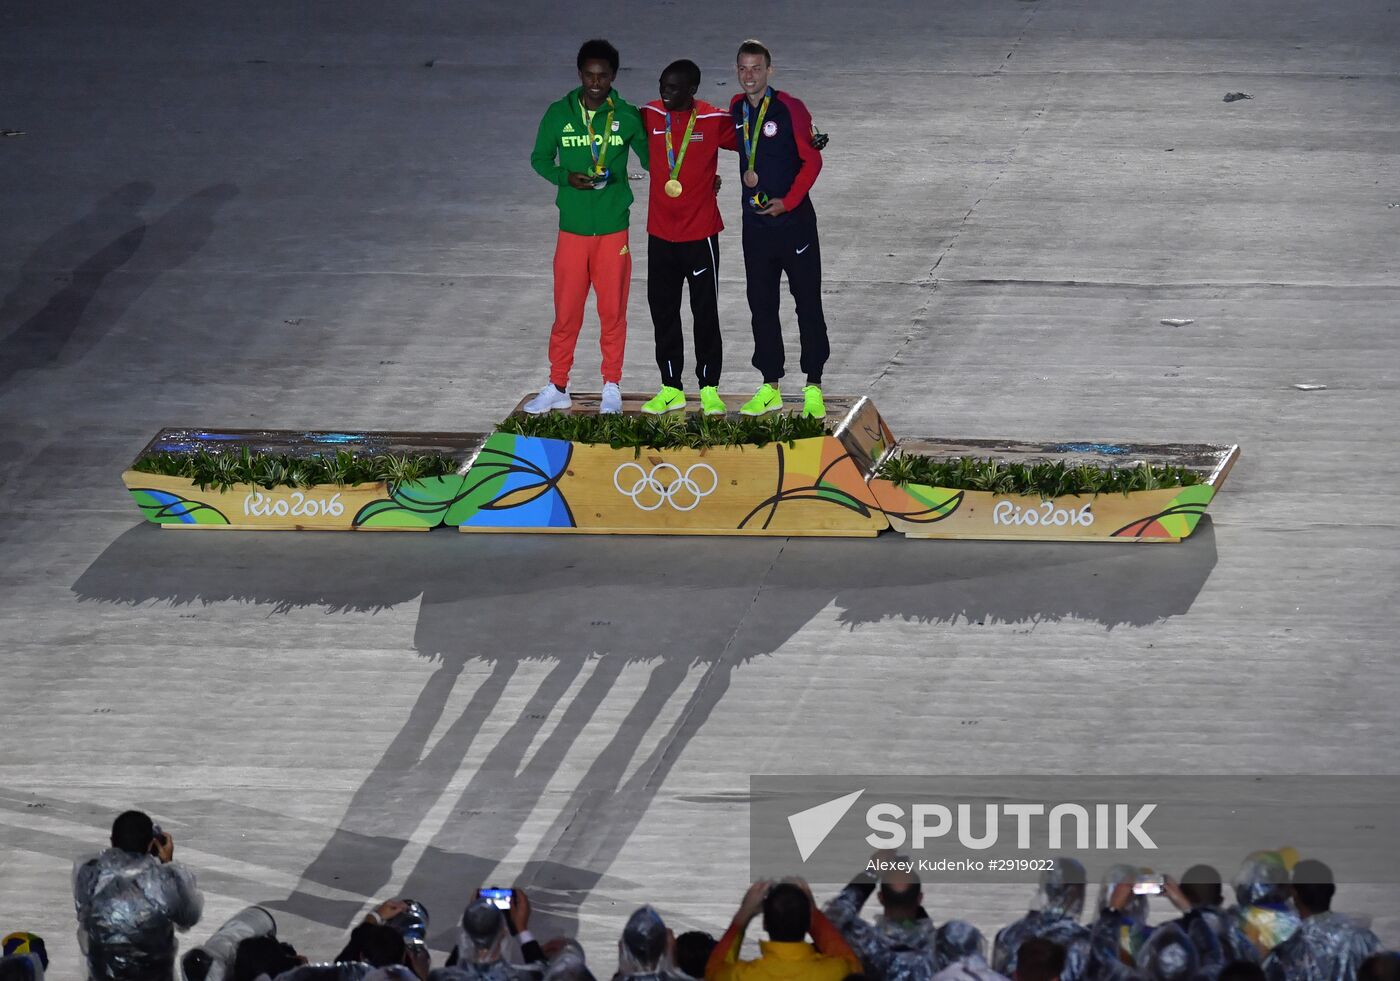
{"x": 499, "y": 898}
{"x": 214, "y": 960}
{"x": 1148, "y": 885}
{"x": 412, "y": 923}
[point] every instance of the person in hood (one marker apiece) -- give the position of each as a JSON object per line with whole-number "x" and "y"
{"x": 130, "y": 900}
{"x": 480, "y": 951}
{"x": 899, "y": 944}
{"x": 1263, "y": 907}
{"x": 645, "y": 950}
{"x": 1120, "y": 929}
{"x": 1327, "y": 946}
{"x": 961, "y": 952}
{"x": 1055, "y": 917}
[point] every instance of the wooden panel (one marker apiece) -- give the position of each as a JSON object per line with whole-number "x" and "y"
{"x": 812, "y": 487}
{"x": 921, "y": 511}
{"x": 416, "y": 506}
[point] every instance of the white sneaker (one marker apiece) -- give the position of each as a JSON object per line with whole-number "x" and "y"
{"x": 550, "y": 398}
{"x": 612, "y": 400}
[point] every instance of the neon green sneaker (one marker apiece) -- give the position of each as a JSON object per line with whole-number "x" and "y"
{"x": 812, "y": 405}
{"x": 667, "y": 400}
{"x": 767, "y": 399}
{"x": 710, "y": 402}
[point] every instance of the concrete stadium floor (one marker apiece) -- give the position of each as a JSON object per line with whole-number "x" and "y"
{"x": 322, "y": 216}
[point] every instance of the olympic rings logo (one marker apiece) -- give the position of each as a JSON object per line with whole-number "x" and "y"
{"x": 665, "y": 484}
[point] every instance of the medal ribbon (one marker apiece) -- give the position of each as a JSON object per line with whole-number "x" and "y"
{"x": 598, "y": 158}
{"x": 751, "y": 145}
{"x": 671, "y": 158}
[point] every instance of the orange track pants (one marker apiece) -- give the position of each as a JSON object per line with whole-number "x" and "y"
{"x": 605, "y": 263}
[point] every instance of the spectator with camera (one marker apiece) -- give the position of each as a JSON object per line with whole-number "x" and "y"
{"x": 130, "y": 899}
{"x": 480, "y": 951}
{"x": 1216, "y": 936}
{"x": 1327, "y": 946}
{"x": 789, "y": 915}
{"x": 899, "y": 944}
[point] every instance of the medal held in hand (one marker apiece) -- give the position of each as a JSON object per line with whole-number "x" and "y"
{"x": 673, "y": 186}
{"x": 599, "y": 148}
{"x": 751, "y": 137}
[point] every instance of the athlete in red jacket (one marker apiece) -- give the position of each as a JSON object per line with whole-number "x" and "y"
{"x": 684, "y": 137}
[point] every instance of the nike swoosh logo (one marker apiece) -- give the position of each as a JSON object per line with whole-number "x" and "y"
{"x": 697, "y": 272}
{"x": 658, "y": 132}
{"x": 804, "y": 248}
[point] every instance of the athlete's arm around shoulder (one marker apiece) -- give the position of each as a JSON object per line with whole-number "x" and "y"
{"x": 635, "y": 134}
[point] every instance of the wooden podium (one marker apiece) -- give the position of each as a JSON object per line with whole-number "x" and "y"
{"x": 829, "y": 485}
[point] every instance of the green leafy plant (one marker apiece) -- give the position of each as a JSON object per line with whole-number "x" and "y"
{"x": 666, "y": 431}
{"x": 1045, "y": 480}
{"x": 223, "y": 469}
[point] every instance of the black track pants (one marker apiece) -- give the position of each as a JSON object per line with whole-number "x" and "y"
{"x": 670, "y": 265}
{"x": 789, "y": 247}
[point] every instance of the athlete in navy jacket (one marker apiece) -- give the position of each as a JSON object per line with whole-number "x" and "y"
{"x": 778, "y": 165}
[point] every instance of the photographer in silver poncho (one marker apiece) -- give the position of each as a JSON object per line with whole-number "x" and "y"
{"x": 1059, "y": 901}
{"x": 480, "y": 951}
{"x": 130, "y": 899}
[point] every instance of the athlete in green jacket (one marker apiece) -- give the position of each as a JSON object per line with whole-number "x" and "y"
{"x": 582, "y": 149}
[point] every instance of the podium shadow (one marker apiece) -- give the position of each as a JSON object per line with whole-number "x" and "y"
{"x": 589, "y": 607}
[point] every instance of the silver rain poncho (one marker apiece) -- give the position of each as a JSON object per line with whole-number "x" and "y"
{"x": 889, "y": 950}
{"x": 1120, "y": 933}
{"x": 961, "y": 952}
{"x": 1263, "y": 896}
{"x": 569, "y": 964}
{"x": 641, "y": 950}
{"x": 1059, "y": 901}
{"x": 1217, "y": 938}
{"x": 129, "y": 906}
{"x": 1169, "y": 955}
{"x": 1325, "y": 947}
{"x": 481, "y": 949}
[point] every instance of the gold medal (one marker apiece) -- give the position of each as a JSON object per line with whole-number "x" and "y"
{"x": 751, "y": 178}
{"x": 673, "y": 188}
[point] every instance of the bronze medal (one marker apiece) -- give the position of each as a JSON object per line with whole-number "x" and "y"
{"x": 751, "y": 178}
{"x": 673, "y": 188}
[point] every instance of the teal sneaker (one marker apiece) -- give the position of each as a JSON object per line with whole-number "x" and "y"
{"x": 667, "y": 400}
{"x": 812, "y": 405}
{"x": 710, "y": 402}
{"x": 767, "y": 399}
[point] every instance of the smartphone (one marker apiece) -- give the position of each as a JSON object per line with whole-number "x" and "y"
{"x": 500, "y": 898}
{"x": 1148, "y": 885}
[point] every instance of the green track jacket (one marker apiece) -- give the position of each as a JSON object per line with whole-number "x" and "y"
{"x": 562, "y": 146}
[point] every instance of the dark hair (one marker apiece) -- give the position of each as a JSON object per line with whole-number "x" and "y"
{"x": 693, "y": 949}
{"x": 1313, "y": 885}
{"x": 753, "y": 46}
{"x": 685, "y": 68}
{"x": 133, "y": 831}
{"x": 262, "y": 955}
{"x": 375, "y": 944}
{"x": 787, "y": 913}
{"x": 1241, "y": 971}
{"x": 1200, "y": 884}
{"x": 600, "y": 50}
{"x": 1383, "y": 966}
{"x": 1039, "y": 959}
{"x": 899, "y": 896}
